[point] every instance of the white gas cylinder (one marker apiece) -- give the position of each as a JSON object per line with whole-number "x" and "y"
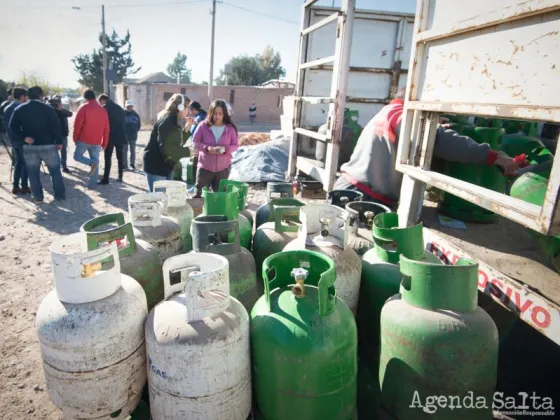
{"x": 197, "y": 342}
{"x": 177, "y": 207}
{"x": 146, "y": 212}
{"x": 91, "y": 333}
{"x": 324, "y": 228}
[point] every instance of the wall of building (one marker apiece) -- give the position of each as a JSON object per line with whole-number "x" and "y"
{"x": 149, "y": 99}
{"x": 140, "y": 95}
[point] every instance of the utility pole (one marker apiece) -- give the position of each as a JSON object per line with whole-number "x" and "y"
{"x": 110, "y": 93}
{"x": 211, "y": 81}
{"x": 104, "y": 38}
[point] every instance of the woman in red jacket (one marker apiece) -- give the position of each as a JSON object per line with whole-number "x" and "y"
{"x": 215, "y": 139}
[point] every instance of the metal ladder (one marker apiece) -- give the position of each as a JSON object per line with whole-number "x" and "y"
{"x": 337, "y": 99}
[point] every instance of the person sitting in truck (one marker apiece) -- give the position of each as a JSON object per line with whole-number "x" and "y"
{"x": 371, "y": 169}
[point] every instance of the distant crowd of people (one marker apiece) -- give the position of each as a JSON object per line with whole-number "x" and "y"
{"x": 38, "y": 131}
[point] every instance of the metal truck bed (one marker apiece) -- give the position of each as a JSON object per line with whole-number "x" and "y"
{"x": 512, "y": 269}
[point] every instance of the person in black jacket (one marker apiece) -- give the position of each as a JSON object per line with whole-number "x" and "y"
{"x": 20, "y": 168}
{"x": 117, "y": 137}
{"x": 165, "y": 147}
{"x": 3, "y": 106}
{"x": 36, "y": 124}
{"x": 132, "y": 125}
{"x": 62, "y": 114}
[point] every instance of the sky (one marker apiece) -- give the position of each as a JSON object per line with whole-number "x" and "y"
{"x": 42, "y": 36}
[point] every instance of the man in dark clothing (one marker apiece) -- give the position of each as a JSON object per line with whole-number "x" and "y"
{"x": 132, "y": 125}
{"x": 371, "y": 168}
{"x": 36, "y": 124}
{"x": 117, "y": 137}
{"x": 3, "y": 106}
{"x": 20, "y": 171}
{"x": 62, "y": 114}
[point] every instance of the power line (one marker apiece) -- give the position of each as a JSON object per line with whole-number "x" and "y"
{"x": 171, "y": 3}
{"x": 260, "y": 13}
{"x": 109, "y": 5}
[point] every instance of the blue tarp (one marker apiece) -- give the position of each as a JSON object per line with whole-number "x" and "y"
{"x": 261, "y": 163}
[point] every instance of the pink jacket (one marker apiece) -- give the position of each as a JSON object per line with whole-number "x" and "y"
{"x": 203, "y": 137}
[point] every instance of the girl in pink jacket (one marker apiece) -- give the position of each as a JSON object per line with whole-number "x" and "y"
{"x": 215, "y": 139}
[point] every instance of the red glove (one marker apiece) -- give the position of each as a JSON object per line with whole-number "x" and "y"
{"x": 521, "y": 160}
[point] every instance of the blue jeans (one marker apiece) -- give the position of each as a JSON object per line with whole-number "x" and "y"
{"x": 132, "y": 145}
{"x": 93, "y": 151}
{"x": 64, "y": 152}
{"x": 34, "y": 155}
{"x": 153, "y": 178}
{"x": 20, "y": 170}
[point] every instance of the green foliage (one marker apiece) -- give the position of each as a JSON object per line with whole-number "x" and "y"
{"x": 119, "y": 53}
{"x": 253, "y": 71}
{"x": 29, "y": 79}
{"x": 271, "y": 64}
{"x": 179, "y": 68}
{"x": 4, "y": 86}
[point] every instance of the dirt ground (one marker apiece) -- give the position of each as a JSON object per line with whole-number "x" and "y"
{"x": 26, "y": 232}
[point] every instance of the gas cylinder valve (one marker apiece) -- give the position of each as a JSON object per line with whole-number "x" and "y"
{"x": 369, "y": 218}
{"x": 300, "y": 274}
{"x": 324, "y": 226}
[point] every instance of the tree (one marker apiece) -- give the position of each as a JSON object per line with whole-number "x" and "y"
{"x": 271, "y": 64}
{"x": 29, "y": 79}
{"x": 119, "y": 53}
{"x": 253, "y": 71}
{"x": 4, "y": 90}
{"x": 178, "y": 69}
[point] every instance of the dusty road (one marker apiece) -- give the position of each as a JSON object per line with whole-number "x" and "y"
{"x": 26, "y": 231}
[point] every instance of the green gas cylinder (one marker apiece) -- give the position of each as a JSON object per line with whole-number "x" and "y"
{"x": 227, "y": 184}
{"x": 350, "y": 133}
{"x": 541, "y": 155}
{"x": 138, "y": 259}
{"x": 516, "y": 144}
{"x": 303, "y": 342}
{"x": 351, "y": 117}
{"x": 381, "y": 277}
{"x": 531, "y": 187}
{"x": 188, "y": 174}
{"x": 272, "y": 237}
{"x": 273, "y": 190}
{"x": 479, "y": 174}
{"x": 226, "y": 204}
{"x": 437, "y": 342}
{"x": 488, "y": 122}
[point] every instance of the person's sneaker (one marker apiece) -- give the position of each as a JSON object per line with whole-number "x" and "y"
{"x": 36, "y": 200}
{"x": 66, "y": 170}
{"x": 16, "y": 190}
{"x": 103, "y": 182}
{"x": 92, "y": 169}
{"x": 25, "y": 190}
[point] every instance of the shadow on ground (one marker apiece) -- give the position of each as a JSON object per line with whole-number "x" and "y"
{"x": 66, "y": 217}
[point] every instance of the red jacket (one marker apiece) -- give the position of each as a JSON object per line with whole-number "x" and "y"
{"x": 92, "y": 124}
